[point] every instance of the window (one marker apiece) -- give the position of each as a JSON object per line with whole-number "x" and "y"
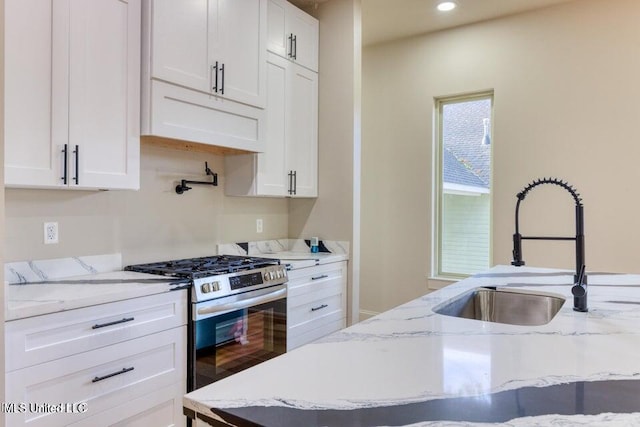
{"x": 463, "y": 185}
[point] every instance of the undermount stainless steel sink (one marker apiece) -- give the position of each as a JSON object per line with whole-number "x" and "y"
{"x": 513, "y": 307}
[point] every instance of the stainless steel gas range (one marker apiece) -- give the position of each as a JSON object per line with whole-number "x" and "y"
{"x": 237, "y": 312}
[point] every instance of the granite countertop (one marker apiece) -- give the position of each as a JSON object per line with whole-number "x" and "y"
{"x": 412, "y": 367}
{"x": 50, "y": 296}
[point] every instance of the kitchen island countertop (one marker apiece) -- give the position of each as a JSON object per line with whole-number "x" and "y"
{"x": 412, "y": 367}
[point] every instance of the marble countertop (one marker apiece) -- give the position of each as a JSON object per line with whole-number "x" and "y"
{"x": 50, "y": 296}
{"x": 412, "y": 367}
{"x": 294, "y": 253}
{"x": 296, "y": 260}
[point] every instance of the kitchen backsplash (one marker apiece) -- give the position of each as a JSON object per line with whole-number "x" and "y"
{"x": 53, "y": 269}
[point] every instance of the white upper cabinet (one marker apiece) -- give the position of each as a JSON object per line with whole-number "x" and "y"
{"x": 292, "y": 34}
{"x": 72, "y": 94}
{"x": 302, "y": 138}
{"x": 204, "y": 71}
{"x": 288, "y": 165}
{"x": 213, "y": 46}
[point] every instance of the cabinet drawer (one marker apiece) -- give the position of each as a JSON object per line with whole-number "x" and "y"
{"x": 310, "y": 295}
{"x": 296, "y": 340}
{"x": 301, "y": 317}
{"x": 45, "y": 338}
{"x": 315, "y": 276}
{"x": 103, "y": 378}
{"x": 161, "y": 408}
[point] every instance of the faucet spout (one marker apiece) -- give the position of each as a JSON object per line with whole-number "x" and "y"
{"x": 579, "y": 290}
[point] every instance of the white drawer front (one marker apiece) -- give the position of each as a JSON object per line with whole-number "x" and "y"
{"x": 296, "y": 340}
{"x": 45, "y": 338}
{"x": 305, "y": 296}
{"x": 315, "y": 311}
{"x": 316, "y": 275}
{"x": 158, "y": 360}
{"x": 161, "y": 408}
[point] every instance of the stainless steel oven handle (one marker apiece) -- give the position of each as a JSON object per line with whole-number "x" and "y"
{"x": 272, "y": 296}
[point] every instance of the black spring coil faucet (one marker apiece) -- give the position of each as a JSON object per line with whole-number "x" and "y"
{"x": 579, "y": 289}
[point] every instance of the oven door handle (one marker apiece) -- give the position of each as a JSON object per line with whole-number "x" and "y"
{"x": 236, "y": 305}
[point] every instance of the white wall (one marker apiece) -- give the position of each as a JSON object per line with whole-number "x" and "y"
{"x": 334, "y": 214}
{"x": 566, "y": 90}
{"x": 148, "y": 225}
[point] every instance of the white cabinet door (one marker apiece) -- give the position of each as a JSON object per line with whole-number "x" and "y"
{"x": 304, "y": 29}
{"x": 104, "y": 93}
{"x": 35, "y": 123}
{"x": 302, "y": 131}
{"x": 180, "y": 42}
{"x": 292, "y": 33}
{"x": 241, "y": 31}
{"x": 271, "y": 176}
{"x": 72, "y": 97}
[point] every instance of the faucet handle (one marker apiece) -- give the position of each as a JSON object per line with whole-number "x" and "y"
{"x": 517, "y": 251}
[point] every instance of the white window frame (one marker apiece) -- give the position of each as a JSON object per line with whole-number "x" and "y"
{"x": 438, "y": 188}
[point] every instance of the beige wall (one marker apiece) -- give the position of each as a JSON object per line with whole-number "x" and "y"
{"x": 334, "y": 215}
{"x": 566, "y": 104}
{"x": 148, "y": 225}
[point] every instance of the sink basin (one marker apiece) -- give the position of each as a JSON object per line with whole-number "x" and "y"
{"x": 513, "y": 307}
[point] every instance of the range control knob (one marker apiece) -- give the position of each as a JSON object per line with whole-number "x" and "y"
{"x": 206, "y": 288}
{"x": 265, "y": 276}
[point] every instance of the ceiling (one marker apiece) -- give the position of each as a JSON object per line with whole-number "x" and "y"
{"x": 384, "y": 20}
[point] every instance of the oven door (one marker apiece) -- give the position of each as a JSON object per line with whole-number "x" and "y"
{"x": 237, "y": 332}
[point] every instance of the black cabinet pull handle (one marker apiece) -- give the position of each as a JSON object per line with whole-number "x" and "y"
{"x": 66, "y": 164}
{"x": 77, "y": 153}
{"x": 290, "y": 53}
{"x": 295, "y": 182}
{"x": 320, "y": 307}
{"x": 222, "y": 78}
{"x": 295, "y": 47}
{"x": 324, "y": 276}
{"x": 290, "y": 190}
{"x": 104, "y": 325}
{"x": 123, "y": 371}
{"x": 214, "y": 88}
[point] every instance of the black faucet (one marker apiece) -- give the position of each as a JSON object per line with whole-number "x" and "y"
{"x": 579, "y": 289}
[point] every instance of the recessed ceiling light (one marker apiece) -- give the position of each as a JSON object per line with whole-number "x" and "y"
{"x": 446, "y": 6}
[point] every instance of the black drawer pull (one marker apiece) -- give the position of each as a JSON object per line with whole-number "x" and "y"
{"x": 124, "y": 371}
{"x": 102, "y": 325}
{"x": 324, "y": 276}
{"x": 320, "y": 307}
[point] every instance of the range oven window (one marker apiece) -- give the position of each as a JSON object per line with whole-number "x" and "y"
{"x": 231, "y": 342}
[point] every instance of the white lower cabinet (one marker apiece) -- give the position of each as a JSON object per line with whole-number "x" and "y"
{"x": 132, "y": 373}
{"x": 316, "y": 302}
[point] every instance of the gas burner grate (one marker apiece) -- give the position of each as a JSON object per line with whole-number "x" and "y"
{"x": 204, "y": 266}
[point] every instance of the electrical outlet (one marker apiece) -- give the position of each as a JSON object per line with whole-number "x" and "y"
{"x": 258, "y": 225}
{"x": 50, "y": 232}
